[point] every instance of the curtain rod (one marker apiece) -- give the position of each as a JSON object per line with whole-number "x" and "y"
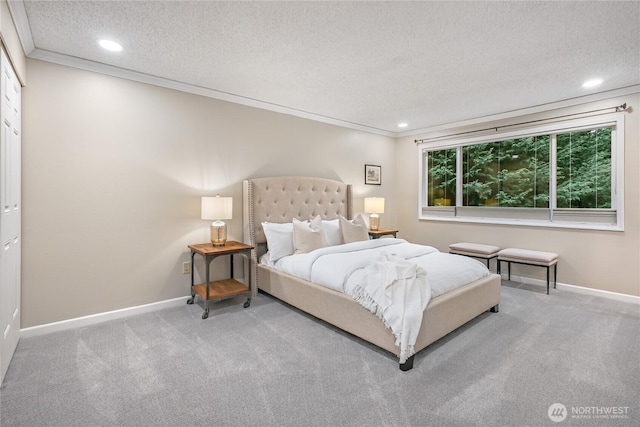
{"x": 617, "y": 108}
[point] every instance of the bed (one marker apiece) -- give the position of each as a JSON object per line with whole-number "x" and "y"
{"x": 280, "y": 200}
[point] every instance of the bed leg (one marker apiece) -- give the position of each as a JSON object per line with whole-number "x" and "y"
{"x": 407, "y": 365}
{"x": 495, "y": 308}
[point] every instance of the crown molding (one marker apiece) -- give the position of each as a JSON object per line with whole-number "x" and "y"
{"x": 97, "y": 67}
{"x": 21, "y": 21}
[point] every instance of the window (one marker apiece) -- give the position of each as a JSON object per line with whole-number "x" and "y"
{"x": 442, "y": 178}
{"x": 509, "y": 173}
{"x": 565, "y": 174}
{"x": 584, "y": 169}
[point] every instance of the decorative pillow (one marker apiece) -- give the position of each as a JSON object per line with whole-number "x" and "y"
{"x": 353, "y": 231}
{"x": 332, "y": 232}
{"x": 308, "y": 236}
{"x": 279, "y": 239}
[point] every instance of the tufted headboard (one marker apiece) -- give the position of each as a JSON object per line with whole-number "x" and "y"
{"x": 280, "y": 199}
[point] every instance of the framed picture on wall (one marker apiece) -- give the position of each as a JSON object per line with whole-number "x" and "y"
{"x": 373, "y": 174}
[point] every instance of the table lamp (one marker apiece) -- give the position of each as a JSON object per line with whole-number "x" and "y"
{"x": 374, "y": 206}
{"x": 217, "y": 209}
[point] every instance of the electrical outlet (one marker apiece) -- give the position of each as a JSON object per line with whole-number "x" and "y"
{"x": 186, "y": 267}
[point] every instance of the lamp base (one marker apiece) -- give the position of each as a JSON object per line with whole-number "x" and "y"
{"x": 218, "y": 233}
{"x": 374, "y": 222}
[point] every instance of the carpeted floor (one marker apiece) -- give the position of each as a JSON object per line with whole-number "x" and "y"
{"x": 271, "y": 365}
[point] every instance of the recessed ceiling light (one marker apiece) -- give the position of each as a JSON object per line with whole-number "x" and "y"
{"x": 402, "y": 125}
{"x": 110, "y": 45}
{"x": 592, "y": 83}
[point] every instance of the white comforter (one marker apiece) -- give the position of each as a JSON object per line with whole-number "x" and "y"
{"x": 341, "y": 267}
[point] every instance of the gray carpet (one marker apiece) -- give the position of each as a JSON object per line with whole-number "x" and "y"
{"x": 271, "y": 365}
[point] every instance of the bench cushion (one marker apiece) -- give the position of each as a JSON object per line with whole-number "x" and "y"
{"x": 474, "y": 249}
{"x": 528, "y": 256}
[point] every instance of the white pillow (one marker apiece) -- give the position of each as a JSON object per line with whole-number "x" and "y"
{"x": 332, "y": 232}
{"x": 353, "y": 231}
{"x": 279, "y": 239}
{"x": 308, "y": 236}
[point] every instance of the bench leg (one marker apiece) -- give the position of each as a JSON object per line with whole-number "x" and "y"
{"x": 498, "y": 266}
{"x": 548, "y": 280}
{"x": 509, "y": 269}
{"x": 555, "y": 274}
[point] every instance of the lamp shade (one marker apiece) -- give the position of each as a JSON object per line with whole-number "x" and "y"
{"x": 374, "y": 205}
{"x": 217, "y": 207}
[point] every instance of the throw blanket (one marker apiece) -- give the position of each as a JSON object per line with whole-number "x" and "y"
{"x": 397, "y": 291}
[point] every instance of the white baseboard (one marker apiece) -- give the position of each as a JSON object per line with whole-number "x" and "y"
{"x": 100, "y": 317}
{"x": 577, "y": 289}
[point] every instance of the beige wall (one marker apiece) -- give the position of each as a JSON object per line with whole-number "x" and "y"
{"x": 113, "y": 171}
{"x": 602, "y": 260}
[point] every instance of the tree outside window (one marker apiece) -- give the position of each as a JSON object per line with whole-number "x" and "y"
{"x": 441, "y": 188}
{"x": 509, "y": 173}
{"x": 584, "y": 169}
{"x": 563, "y": 173}
{"x": 516, "y": 172}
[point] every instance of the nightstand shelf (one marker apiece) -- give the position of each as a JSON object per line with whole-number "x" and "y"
{"x": 376, "y": 234}
{"x": 221, "y": 289}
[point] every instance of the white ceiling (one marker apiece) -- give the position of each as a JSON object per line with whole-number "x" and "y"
{"x": 367, "y": 65}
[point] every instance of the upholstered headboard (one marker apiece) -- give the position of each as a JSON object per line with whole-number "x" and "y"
{"x": 280, "y": 199}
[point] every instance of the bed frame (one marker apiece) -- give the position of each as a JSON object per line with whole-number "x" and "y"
{"x": 280, "y": 199}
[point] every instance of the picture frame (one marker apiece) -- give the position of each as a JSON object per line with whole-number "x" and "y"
{"x": 373, "y": 174}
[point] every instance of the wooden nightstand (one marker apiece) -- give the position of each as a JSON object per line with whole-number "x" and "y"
{"x": 220, "y": 289}
{"x": 382, "y": 232}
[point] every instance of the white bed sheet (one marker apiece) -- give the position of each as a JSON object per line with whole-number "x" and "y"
{"x": 342, "y": 267}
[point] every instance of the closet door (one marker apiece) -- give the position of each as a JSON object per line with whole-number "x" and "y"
{"x": 10, "y": 212}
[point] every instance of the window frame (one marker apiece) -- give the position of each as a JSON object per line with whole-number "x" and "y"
{"x": 560, "y": 218}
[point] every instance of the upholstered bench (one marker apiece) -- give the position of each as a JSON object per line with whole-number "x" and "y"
{"x": 529, "y": 257}
{"x": 475, "y": 250}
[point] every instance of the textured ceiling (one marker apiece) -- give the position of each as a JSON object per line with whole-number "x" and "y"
{"x": 370, "y": 64}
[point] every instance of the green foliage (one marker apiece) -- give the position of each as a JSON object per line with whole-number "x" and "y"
{"x": 479, "y": 174}
{"x": 509, "y": 173}
{"x": 516, "y": 172}
{"x": 442, "y": 177}
{"x": 584, "y": 169}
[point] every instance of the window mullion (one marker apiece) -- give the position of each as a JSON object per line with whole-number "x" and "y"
{"x": 459, "y": 177}
{"x": 615, "y": 149}
{"x": 553, "y": 181}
